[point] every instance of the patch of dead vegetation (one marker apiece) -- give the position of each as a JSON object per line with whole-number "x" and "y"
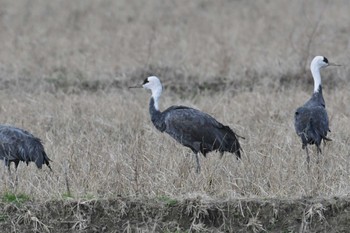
{"x": 65, "y": 67}
{"x": 194, "y": 215}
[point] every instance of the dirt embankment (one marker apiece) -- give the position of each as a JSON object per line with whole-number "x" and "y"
{"x": 168, "y": 215}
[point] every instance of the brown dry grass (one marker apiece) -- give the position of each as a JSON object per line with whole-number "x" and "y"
{"x": 65, "y": 67}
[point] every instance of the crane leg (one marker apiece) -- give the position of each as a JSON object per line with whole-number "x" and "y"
{"x": 14, "y": 183}
{"x": 16, "y": 178}
{"x": 307, "y": 158}
{"x": 198, "y": 169}
{"x": 319, "y": 152}
{"x": 9, "y": 169}
{"x": 10, "y": 176}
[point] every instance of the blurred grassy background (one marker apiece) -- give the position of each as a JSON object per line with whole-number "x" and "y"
{"x": 65, "y": 67}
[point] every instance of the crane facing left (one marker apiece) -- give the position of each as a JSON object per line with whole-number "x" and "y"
{"x": 192, "y": 128}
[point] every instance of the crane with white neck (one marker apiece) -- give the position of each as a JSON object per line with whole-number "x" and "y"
{"x": 192, "y": 128}
{"x": 311, "y": 119}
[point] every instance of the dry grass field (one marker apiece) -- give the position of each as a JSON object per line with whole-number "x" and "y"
{"x": 65, "y": 69}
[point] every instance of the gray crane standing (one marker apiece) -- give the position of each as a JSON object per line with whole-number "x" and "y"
{"x": 311, "y": 119}
{"x": 191, "y": 127}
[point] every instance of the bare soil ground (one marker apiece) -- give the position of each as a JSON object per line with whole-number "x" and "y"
{"x": 65, "y": 69}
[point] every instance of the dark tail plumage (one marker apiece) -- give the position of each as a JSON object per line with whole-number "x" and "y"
{"x": 46, "y": 160}
{"x": 230, "y": 142}
{"x": 33, "y": 151}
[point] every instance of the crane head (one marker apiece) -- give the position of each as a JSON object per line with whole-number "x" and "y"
{"x": 321, "y": 62}
{"x": 152, "y": 83}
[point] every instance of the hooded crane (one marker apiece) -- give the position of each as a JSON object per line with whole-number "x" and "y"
{"x": 190, "y": 127}
{"x": 311, "y": 119}
{"x": 19, "y": 145}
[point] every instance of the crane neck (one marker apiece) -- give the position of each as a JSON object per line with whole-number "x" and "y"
{"x": 153, "y": 106}
{"x": 315, "y": 71}
{"x": 155, "y": 115}
{"x": 155, "y": 96}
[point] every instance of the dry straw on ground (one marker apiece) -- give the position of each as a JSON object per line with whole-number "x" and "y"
{"x": 65, "y": 67}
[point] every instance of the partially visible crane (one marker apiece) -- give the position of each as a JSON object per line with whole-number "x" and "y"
{"x": 19, "y": 145}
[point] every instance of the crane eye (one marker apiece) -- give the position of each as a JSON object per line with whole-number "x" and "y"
{"x": 325, "y": 60}
{"x": 146, "y": 81}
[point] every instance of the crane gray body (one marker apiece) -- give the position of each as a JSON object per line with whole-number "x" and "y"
{"x": 19, "y": 145}
{"x": 196, "y": 130}
{"x": 190, "y": 127}
{"x": 311, "y": 121}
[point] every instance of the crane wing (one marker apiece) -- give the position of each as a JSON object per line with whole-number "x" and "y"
{"x": 311, "y": 124}
{"x": 10, "y": 142}
{"x": 198, "y": 130}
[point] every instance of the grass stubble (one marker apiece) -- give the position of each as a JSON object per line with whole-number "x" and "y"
{"x": 66, "y": 82}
